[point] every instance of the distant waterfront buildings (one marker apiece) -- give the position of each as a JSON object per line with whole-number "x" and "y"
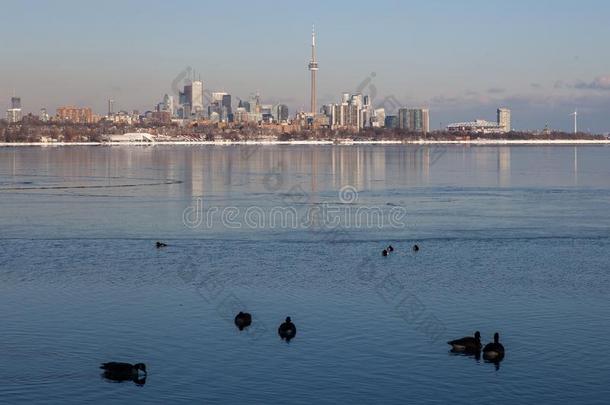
{"x": 351, "y": 113}
{"x": 221, "y": 106}
{"x": 191, "y": 100}
{"x": 75, "y": 115}
{"x": 414, "y": 119}
{"x": 502, "y": 125}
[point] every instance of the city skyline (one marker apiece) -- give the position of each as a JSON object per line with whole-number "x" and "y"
{"x": 466, "y": 83}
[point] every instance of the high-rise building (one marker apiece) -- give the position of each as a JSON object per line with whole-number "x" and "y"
{"x": 191, "y": 99}
{"x": 13, "y": 114}
{"x": 378, "y": 118}
{"x": 354, "y": 112}
{"x": 280, "y": 112}
{"x": 221, "y": 105}
{"x": 504, "y": 119}
{"x": 391, "y": 121}
{"x": 110, "y": 107}
{"x": 414, "y": 119}
{"x": 196, "y": 100}
{"x": 241, "y": 115}
{"x": 244, "y": 104}
{"x": 166, "y": 105}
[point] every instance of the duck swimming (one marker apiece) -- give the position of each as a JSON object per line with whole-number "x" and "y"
{"x": 287, "y": 330}
{"x": 243, "y": 320}
{"x": 390, "y": 248}
{"x": 384, "y": 252}
{"x": 119, "y": 372}
{"x": 494, "y": 351}
{"x": 415, "y": 248}
{"x": 468, "y": 344}
{"x": 161, "y": 245}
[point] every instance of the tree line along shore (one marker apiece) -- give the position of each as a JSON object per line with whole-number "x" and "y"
{"x": 67, "y": 133}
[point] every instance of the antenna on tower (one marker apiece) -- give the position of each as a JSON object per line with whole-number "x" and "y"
{"x": 575, "y": 114}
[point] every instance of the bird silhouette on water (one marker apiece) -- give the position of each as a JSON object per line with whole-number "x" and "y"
{"x": 119, "y": 372}
{"x": 415, "y": 248}
{"x": 161, "y": 245}
{"x": 494, "y": 352}
{"x": 243, "y": 320}
{"x": 467, "y": 344}
{"x": 287, "y": 330}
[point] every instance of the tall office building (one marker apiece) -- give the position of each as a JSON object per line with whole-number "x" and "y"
{"x": 280, "y": 112}
{"x": 13, "y": 114}
{"x": 414, "y": 119}
{"x": 391, "y": 121}
{"x": 221, "y": 105}
{"x": 196, "y": 97}
{"x": 244, "y": 104}
{"x": 191, "y": 99}
{"x": 504, "y": 119}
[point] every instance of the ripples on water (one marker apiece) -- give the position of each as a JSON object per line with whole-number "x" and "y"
{"x": 518, "y": 247}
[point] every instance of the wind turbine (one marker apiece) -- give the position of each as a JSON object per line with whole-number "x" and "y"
{"x": 575, "y": 114}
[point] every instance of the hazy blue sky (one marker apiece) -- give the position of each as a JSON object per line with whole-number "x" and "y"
{"x": 464, "y": 58}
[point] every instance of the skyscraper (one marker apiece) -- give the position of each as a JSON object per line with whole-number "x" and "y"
{"x": 313, "y": 68}
{"x": 221, "y": 104}
{"x": 191, "y": 99}
{"x": 196, "y": 100}
{"x": 414, "y": 119}
{"x": 280, "y": 112}
{"x": 16, "y": 102}
{"x": 504, "y": 119}
{"x": 13, "y": 114}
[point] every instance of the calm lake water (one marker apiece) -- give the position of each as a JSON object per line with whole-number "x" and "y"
{"x": 513, "y": 239}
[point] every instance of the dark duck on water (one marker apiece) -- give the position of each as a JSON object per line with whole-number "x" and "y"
{"x": 119, "y": 372}
{"x": 287, "y": 330}
{"x": 243, "y": 320}
{"x": 468, "y": 344}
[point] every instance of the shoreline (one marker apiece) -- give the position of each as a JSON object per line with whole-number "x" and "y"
{"x": 311, "y": 142}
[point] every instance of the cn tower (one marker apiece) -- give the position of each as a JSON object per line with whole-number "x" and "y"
{"x": 313, "y": 68}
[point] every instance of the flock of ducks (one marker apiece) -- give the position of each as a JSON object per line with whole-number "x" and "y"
{"x": 468, "y": 345}
{"x": 120, "y": 372}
